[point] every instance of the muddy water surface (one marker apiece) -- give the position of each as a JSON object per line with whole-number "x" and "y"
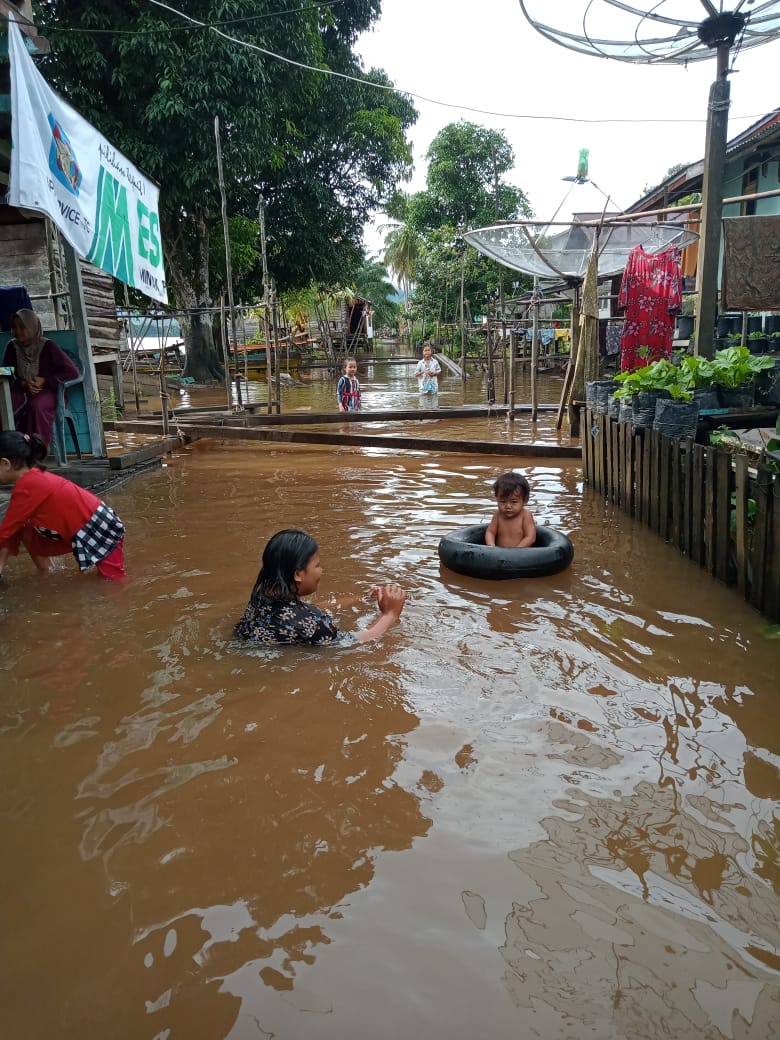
{"x": 535, "y": 809}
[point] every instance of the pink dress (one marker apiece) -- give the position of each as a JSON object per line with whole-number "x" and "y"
{"x": 651, "y": 292}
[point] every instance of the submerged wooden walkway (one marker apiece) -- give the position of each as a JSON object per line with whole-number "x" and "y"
{"x": 198, "y": 424}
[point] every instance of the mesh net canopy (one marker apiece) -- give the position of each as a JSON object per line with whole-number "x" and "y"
{"x": 530, "y": 248}
{"x": 672, "y": 31}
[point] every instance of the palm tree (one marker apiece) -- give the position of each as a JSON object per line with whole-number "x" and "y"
{"x": 372, "y": 283}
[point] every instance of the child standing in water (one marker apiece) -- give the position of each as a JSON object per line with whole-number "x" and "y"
{"x": 276, "y": 613}
{"x": 512, "y": 526}
{"x": 52, "y": 516}
{"x": 348, "y": 390}
{"x": 428, "y": 371}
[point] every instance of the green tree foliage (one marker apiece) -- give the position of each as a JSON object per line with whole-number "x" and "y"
{"x": 322, "y": 151}
{"x": 372, "y": 283}
{"x": 245, "y": 261}
{"x": 465, "y": 188}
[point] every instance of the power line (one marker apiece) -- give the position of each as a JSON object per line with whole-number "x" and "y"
{"x": 390, "y": 88}
{"x": 193, "y": 28}
{"x": 419, "y": 97}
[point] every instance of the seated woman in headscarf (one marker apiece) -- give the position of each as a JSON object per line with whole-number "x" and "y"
{"x": 39, "y": 365}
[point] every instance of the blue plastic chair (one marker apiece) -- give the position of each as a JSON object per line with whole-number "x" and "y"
{"x": 63, "y": 417}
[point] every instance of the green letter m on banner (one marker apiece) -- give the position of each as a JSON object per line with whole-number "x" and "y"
{"x": 111, "y": 248}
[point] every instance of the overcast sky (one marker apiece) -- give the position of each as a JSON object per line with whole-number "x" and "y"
{"x": 485, "y": 55}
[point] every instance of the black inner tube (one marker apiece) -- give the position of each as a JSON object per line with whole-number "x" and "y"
{"x": 465, "y": 552}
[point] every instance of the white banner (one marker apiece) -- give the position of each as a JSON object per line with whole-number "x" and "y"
{"x": 62, "y": 166}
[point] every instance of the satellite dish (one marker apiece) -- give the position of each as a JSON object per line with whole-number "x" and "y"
{"x": 667, "y": 31}
{"x": 672, "y": 31}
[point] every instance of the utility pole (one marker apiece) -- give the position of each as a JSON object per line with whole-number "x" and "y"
{"x": 712, "y": 205}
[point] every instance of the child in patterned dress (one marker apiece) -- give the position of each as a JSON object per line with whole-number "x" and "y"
{"x": 276, "y": 613}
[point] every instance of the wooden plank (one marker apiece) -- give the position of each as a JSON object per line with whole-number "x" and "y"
{"x": 621, "y": 454}
{"x": 394, "y": 443}
{"x": 615, "y": 440}
{"x": 609, "y": 468}
{"x": 759, "y": 557}
{"x": 676, "y": 481}
{"x": 723, "y": 489}
{"x": 148, "y": 451}
{"x": 687, "y": 498}
{"x": 632, "y": 459}
{"x": 708, "y": 503}
{"x": 664, "y": 486}
{"x": 697, "y": 521}
{"x": 772, "y": 590}
{"x": 655, "y": 470}
{"x": 587, "y": 446}
{"x": 742, "y": 521}
{"x": 645, "y": 437}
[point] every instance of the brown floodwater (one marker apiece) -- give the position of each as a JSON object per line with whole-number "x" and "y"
{"x": 538, "y": 808}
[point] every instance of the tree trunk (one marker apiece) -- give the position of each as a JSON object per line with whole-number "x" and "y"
{"x": 189, "y": 275}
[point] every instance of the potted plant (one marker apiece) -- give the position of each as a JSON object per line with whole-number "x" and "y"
{"x": 644, "y": 386}
{"x": 696, "y": 375}
{"x": 733, "y": 372}
{"x": 757, "y": 342}
{"x": 685, "y": 321}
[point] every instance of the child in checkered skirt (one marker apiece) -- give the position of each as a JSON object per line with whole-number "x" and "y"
{"x": 51, "y": 516}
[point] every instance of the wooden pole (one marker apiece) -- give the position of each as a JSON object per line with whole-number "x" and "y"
{"x": 712, "y": 207}
{"x": 228, "y": 265}
{"x": 462, "y": 326}
{"x": 78, "y": 310}
{"x": 266, "y": 322}
{"x": 225, "y": 358}
{"x": 535, "y": 350}
{"x": 131, "y": 344}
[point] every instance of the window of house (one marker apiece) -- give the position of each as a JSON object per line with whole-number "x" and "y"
{"x": 749, "y": 187}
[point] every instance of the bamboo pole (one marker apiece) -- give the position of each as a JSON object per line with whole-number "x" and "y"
{"x": 535, "y": 350}
{"x": 228, "y": 264}
{"x": 226, "y": 360}
{"x": 266, "y": 322}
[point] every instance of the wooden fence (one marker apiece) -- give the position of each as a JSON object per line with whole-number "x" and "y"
{"x": 718, "y": 509}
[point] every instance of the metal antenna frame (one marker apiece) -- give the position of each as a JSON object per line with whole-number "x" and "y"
{"x": 693, "y": 41}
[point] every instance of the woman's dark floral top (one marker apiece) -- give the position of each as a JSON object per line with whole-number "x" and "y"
{"x": 288, "y": 621}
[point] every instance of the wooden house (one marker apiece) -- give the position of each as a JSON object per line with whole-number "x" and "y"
{"x": 74, "y": 299}
{"x": 752, "y": 168}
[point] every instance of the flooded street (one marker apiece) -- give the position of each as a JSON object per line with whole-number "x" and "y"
{"x": 542, "y": 808}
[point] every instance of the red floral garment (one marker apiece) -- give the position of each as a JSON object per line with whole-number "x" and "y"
{"x": 651, "y": 292}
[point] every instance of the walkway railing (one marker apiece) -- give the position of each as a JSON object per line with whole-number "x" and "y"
{"x": 720, "y": 511}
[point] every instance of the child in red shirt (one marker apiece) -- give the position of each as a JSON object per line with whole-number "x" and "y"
{"x": 52, "y": 516}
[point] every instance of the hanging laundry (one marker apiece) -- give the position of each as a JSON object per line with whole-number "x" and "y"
{"x": 13, "y": 298}
{"x": 651, "y": 292}
{"x": 614, "y": 335}
{"x": 751, "y": 263}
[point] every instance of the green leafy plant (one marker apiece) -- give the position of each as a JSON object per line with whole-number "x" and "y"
{"x": 659, "y": 375}
{"x": 736, "y": 366}
{"x": 695, "y": 372}
{"x": 756, "y": 335}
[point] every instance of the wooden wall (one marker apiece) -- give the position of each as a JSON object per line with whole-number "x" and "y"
{"x": 29, "y": 258}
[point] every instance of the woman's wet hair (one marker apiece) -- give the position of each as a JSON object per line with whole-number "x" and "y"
{"x": 508, "y": 483}
{"x": 285, "y": 553}
{"x": 22, "y": 449}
